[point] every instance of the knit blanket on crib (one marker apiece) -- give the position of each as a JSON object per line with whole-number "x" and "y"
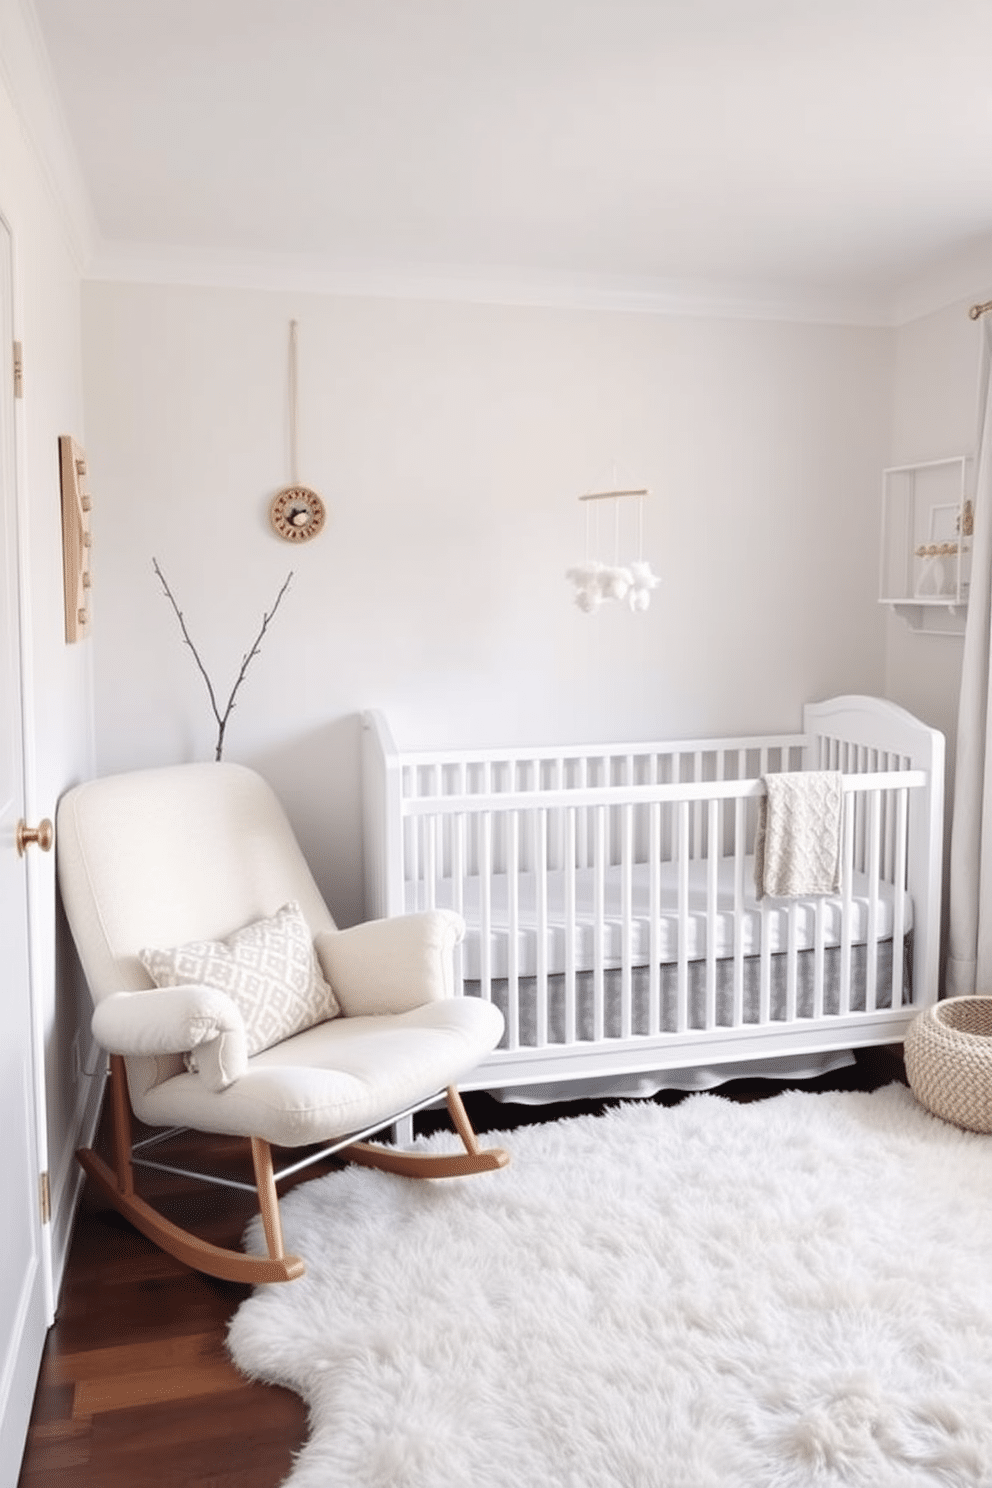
{"x": 798, "y": 837}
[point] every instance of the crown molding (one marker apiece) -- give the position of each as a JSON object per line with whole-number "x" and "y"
{"x": 965, "y": 274}
{"x": 148, "y": 263}
{"x": 27, "y": 76}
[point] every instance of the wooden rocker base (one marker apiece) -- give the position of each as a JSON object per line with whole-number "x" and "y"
{"x": 474, "y": 1159}
{"x": 227, "y": 1265}
{"x": 117, "y": 1186}
{"x": 425, "y": 1164}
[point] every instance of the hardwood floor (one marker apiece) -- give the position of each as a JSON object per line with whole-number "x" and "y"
{"x": 136, "y": 1387}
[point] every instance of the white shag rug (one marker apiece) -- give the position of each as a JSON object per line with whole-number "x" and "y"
{"x": 791, "y": 1293}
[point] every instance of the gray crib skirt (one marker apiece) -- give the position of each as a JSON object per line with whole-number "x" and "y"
{"x": 640, "y": 1004}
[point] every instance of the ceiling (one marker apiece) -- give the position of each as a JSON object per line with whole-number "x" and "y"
{"x": 831, "y": 153}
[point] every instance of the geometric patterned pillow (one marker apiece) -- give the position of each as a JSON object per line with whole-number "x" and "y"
{"x": 269, "y": 969}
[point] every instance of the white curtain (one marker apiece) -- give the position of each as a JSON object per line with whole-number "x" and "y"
{"x": 969, "y": 967}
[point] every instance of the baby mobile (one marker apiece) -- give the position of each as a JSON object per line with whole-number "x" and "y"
{"x": 595, "y": 579}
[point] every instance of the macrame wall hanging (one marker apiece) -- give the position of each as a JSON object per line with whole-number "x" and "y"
{"x": 296, "y": 513}
{"x": 613, "y": 518}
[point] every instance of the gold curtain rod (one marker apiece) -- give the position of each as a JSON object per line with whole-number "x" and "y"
{"x": 977, "y": 310}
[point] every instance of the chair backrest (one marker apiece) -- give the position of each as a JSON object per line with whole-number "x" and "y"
{"x": 161, "y": 857}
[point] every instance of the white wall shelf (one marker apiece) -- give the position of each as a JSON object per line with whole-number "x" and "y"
{"x": 925, "y": 559}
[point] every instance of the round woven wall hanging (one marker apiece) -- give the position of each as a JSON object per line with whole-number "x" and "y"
{"x": 296, "y": 512}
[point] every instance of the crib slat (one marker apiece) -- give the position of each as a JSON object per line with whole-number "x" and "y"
{"x": 899, "y": 891}
{"x": 542, "y": 931}
{"x": 721, "y": 762}
{"x": 583, "y": 840}
{"x": 765, "y": 962}
{"x": 697, "y": 813}
{"x": 571, "y": 847}
{"x": 682, "y": 996}
{"x": 458, "y": 891}
{"x": 485, "y": 905}
{"x": 513, "y": 929}
{"x": 765, "y": 967}
{"x": 413, "y": 840}
{"x": 847, "y": 875}
{"x": 792, "y": 963}
{"x": 626, "y": 920}
{"x": 885, "y": 862}
{"x": 458, "y": 863}
{"x": 819, "y": 958}
{"x": 864, "y": 766}
{"x": 712, "y": 885}
{"x": 432, "y": 823}
{"x": 739, "y": 846}
{"x": 599, "y": 926}
{"x": 873, "y": 828}
{"x": 654, "y": 912}
{"x": 556, "y": 845}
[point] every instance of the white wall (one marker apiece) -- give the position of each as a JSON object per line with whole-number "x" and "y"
{"x": 59, "y": 747}
{"x": 451, "y": 443}
{"x": 934, "y": 386}
{"x": 934, "y": 409}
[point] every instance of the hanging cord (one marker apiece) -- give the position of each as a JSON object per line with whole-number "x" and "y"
{"x": 294, "y": 416}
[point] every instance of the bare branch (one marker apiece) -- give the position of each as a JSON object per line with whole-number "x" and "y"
{"x": 188, "y": 639}
{"x": 246, "y": 660}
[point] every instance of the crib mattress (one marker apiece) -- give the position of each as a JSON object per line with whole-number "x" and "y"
{"x": 779, "y": 923}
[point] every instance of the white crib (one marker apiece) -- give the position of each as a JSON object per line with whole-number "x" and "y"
{"x": 610, "y": 908}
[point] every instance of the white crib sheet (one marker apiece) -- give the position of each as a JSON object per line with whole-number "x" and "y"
{"x": 771, "y": 916}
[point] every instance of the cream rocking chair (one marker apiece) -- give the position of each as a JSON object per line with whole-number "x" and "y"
{"x": 177, "y": 866}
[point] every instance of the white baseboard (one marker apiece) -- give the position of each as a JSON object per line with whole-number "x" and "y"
{"x": 67, "y": 1181}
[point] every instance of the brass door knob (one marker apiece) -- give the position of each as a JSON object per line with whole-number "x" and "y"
{"x": 43, "y": 834}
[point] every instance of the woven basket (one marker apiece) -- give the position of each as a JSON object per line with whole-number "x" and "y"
{"x": 948, "y": 1055}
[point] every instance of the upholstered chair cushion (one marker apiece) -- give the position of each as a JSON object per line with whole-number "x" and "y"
{"x": 268, "y": 969}
{"x": 390, "y": 966}
{"x": 348, "y": 1075}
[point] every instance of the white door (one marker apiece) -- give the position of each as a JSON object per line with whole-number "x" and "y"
{"x": 23, "y": 1287}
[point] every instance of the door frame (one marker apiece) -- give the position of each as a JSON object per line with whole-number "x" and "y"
{"x": 33, "y": 810}
{"x": 36, "y": 1310}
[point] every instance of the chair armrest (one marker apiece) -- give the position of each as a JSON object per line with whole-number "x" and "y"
{"x": 177, "y": 1020}
{"x": 391, "y": 966}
